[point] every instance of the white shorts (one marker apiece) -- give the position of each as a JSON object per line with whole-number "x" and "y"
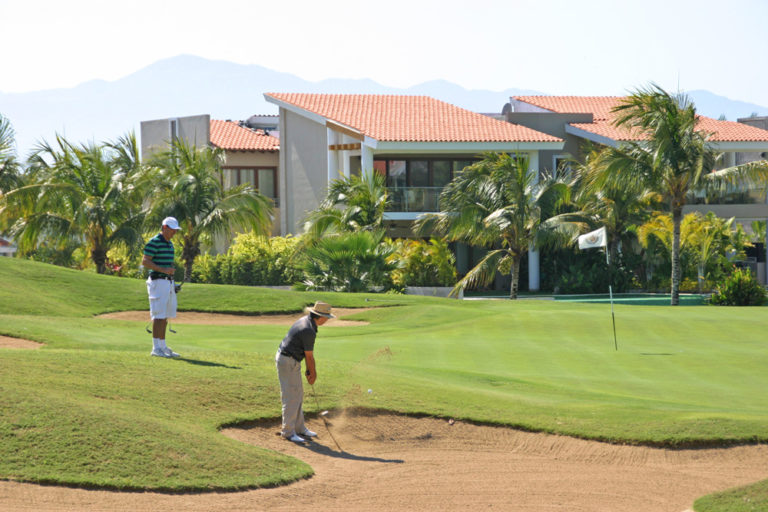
{"x": 162, "y": 299}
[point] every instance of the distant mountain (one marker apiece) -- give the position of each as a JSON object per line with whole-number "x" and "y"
{"x": 188, "y": 85}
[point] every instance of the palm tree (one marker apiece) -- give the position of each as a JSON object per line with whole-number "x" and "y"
{"x": 187, "y": 186}
{"x": 672, "y": 158}
{"x": 500, "y": 204}
{"x": 356, "y": 203}
{"x": 9, "y": 165}
{"x": 81, "y": 194}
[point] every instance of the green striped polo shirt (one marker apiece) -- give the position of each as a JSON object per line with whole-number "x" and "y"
{"x": 161, "y": 252}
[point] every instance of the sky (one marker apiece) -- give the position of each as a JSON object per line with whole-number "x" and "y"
{"x": 574, "y": 47}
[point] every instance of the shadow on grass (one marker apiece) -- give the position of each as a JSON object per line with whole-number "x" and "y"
{"x": 198, "y": 362}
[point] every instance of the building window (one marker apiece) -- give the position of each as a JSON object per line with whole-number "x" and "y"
{"x": 263, "y": 179}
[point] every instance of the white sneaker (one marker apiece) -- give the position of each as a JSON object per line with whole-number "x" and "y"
{"x": 309, "y": 433}
{"x": 170, "y": 353}
{"x": 158, "y": 352}
{"x": 296, "y": 439}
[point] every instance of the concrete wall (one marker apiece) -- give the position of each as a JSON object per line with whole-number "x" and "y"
{"x": 156, "y": 134}
{"x": 553, "y": 124}
{"x": 303, "y": 169}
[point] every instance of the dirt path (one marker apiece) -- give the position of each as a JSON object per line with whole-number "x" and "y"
{"x": 395, "y": 463}
{"x": 192, "y": 317}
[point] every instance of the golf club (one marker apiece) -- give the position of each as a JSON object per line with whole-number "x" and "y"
{"x": 322, "y": 415}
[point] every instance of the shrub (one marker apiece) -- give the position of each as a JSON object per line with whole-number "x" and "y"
{"x": 349, "y": 262}
{"x": 424, "y": 263}
{"x": 252, "y": 260}
{"x": 739, "y": 289}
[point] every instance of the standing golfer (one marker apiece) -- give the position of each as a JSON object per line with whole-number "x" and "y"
{"x": 158, "y": 258}
{"x": 298, "y": 344}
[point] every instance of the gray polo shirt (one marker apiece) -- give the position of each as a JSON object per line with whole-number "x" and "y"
{"x": 300, "y": 338}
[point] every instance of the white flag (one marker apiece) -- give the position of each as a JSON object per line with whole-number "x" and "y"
{"x": 592, "y": 239}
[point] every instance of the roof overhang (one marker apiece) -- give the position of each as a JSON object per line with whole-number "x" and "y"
{"x": 462, "y": 147}
{"x": 584, "y": 134}
{"x": 742, "y": 146}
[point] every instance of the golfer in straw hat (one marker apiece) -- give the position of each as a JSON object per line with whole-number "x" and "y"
{"x": 298, "y": 344}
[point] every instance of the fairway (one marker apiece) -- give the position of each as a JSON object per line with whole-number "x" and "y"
{"x": 92, "y": 409}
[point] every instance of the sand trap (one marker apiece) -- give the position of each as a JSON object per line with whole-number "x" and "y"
{"x": 192, "y": 317}
{"x": 394, "y": 463}
{"x": 8, "y": 342}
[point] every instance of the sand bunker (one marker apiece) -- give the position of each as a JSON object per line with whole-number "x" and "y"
{"x": 8, "y": 342}
{"x": 395, "y": 463}
{"x": 192, "y": 317}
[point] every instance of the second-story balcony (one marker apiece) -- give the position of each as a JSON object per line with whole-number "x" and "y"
{"x": 414, "y": 199}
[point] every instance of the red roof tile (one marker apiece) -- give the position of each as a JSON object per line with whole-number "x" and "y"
{"x": 601, "y": 106}
{"x": 233, "y": 137}
{"x": 410, "y": 118}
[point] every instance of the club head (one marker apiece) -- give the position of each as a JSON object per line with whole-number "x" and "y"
{"x": 324, "y": 413}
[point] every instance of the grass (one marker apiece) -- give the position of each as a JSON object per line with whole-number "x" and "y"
{"x": 93, "y": 409}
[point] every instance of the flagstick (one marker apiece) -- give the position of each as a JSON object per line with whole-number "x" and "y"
{"x": 610, "y": 293}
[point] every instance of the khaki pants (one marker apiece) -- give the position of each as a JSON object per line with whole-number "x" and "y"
{"x": 291, "y": 394}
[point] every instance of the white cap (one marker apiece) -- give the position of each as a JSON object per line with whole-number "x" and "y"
{"x": 171, "y": 222}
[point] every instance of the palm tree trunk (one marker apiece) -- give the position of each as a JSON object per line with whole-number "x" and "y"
{"x": 515, "y": 273}
{"x": 99, "y": 258}
{"x": 677, "y": 217}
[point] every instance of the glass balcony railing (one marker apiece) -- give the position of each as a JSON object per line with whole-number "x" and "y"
{"x": 414, "y": 199}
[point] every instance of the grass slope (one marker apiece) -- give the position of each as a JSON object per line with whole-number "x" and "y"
{"x": 92, "y": 409}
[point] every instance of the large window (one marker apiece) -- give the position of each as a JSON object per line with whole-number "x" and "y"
{"x": 263, "y": 179}
{"x": 415, "y": 184}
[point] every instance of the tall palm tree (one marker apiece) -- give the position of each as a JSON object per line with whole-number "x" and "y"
{"x": 672, "y": 158}
{"x": 500, "y": 204}
{"x": 187, "y": 185}
{"x": 618, "y": 208}
{"x": 356, "y": 203}
{"x": 81, "y": 194}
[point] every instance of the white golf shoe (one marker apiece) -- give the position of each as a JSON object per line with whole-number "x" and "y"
{"x": 171, "y": 353}
{"x": 309, "y": 433}
{"x": 158, "y": 352}
{"x": 296, "y": 439}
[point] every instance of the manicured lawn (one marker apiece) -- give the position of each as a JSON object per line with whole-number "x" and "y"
{"x": 92, "y": 408}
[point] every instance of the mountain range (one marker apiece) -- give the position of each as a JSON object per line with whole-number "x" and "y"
{"x": 99, "y": 110}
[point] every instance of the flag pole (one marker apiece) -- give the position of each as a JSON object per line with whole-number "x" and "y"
{"x": 610, "y": 293}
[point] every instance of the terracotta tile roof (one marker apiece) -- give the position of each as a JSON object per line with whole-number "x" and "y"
{"x": 233, "y": 137}
{"x": 411, "y": 118}
{"x": 600, "y": 106}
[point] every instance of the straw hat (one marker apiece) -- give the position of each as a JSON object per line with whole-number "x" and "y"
{"x": 322, "y": 309}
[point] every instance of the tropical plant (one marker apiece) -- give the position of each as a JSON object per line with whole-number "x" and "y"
{"x": 187, "y": 185}
{"x": 9, "y": 165}
{"x": 498, "y": 203}
{"x": 704, "y": 242}
{"x": 79, "y": 194}
{"x": 739, "y": 289}
{"x": 619, "y": 208}
{"x": 672, "y": 157}
{"x": 354, "y": 203}
{"x": 349, "y": 262}
{"x": 424, "y": 263}
{"x": 758, "y": 230}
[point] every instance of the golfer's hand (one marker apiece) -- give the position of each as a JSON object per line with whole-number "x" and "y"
{"x": 311, "y": 377}
{"x": 168, "y": 270}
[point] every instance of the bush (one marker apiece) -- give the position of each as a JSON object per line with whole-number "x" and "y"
{"x": 252, "y": 260}
{"x": 349, "y": 262}
{"x": 739, "y": 289}
{"x": 424, "y": 263}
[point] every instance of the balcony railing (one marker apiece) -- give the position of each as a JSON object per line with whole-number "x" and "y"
{"x": 414, "y": 199}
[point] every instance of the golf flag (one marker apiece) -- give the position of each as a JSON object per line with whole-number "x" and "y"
{"x": 596, "y": 238}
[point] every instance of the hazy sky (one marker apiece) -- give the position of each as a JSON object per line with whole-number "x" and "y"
{"x": 580, "y": 47}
